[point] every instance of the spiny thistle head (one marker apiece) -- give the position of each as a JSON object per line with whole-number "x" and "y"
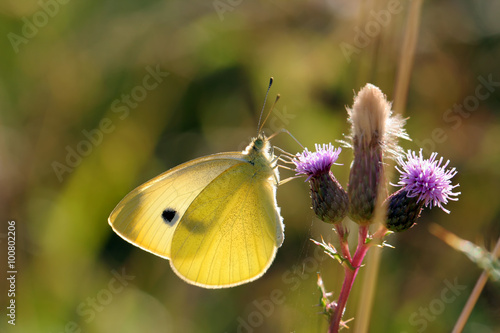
{"x": 374, "y": 135}
{"x": 329, "y": 199}
{"x": 314, "y": 163}
{"x": 423, "y": 182}
{"x": 427, "y": 179}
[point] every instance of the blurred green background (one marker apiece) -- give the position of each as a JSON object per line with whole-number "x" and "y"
{"x": 66, "y": 70}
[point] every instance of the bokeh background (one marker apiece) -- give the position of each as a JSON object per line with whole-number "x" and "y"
{"x": 66, "y": 69}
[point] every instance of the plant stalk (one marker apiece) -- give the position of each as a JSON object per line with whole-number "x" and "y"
{"x": 351, "y": 271}
{"x": 471, "y": 302}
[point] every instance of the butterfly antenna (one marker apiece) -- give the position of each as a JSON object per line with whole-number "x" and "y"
{"x": 263, "y": 106}
{"x": 269, "y": 113}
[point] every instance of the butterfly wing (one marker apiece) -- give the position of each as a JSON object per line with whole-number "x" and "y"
{"x": 230, "y": 233}
{"x": 148, "y": 216}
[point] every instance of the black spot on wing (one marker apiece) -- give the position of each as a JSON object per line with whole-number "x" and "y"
{"x": 170, "y": 216}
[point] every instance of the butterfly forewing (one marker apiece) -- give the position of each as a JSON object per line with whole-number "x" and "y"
{"x": 148, "y": 216}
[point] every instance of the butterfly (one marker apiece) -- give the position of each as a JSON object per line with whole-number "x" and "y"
{"x": 215, "y": 218}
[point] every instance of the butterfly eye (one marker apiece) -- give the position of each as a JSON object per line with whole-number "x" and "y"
{"x": 258, "y": 143}
{"x": 170, "y": 216}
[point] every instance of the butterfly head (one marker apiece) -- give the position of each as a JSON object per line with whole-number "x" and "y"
{"x": 259, "y": 145}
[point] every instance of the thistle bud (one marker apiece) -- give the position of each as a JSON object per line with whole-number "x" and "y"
{"x": 329, "y": 199}
{"x": 402, "y": 211}
{"x": 374, "y": 133}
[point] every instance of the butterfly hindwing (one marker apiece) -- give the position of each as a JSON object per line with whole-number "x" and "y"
{"x": 230, "y": 233}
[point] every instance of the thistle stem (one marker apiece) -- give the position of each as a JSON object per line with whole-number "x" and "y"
{"x": 350, "y": 275}
{"x": 344, "y": 245}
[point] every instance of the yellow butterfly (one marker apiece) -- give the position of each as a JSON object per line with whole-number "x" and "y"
{"x": 215, "y": 218}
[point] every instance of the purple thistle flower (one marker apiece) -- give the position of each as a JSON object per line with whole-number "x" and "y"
{"x": 318, "y": 162}
{"x": 329, "y": 200}
{"x": 427, "y": 179}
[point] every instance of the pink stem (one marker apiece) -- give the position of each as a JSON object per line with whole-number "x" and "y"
{"x": 344, "y": 245}
{"x": 350, "y": 276}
